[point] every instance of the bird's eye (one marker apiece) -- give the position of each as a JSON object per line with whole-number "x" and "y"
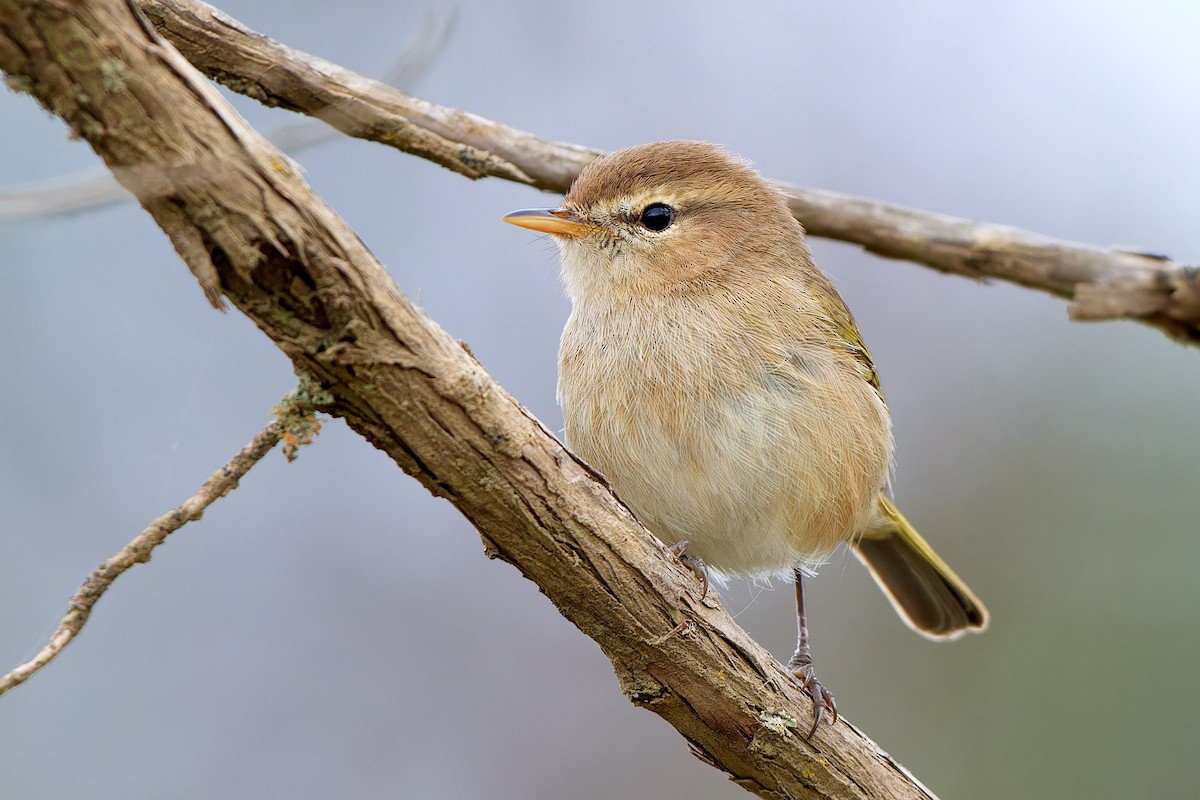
{"x": 657, "y": 217}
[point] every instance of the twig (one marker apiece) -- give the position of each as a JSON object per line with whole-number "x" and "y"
{"x": 1103, "y": 284}
{"x": 138, "y": 551}
{"x": 295, "y": 424}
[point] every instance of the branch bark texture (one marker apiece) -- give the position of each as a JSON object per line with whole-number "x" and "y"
{"x": 256, "y": 235}
{"x": 1102, "y": 284}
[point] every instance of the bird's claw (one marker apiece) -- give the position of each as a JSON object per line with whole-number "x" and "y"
{"x": 821, "y": 698}
{"x": 694, "y": 563}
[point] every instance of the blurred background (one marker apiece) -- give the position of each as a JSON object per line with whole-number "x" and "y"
{"x": 332, "y": 630}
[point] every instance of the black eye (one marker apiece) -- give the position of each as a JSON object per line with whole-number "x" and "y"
{"x": 657, "y": 216}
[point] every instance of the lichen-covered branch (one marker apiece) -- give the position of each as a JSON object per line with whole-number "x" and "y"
{"x": 255, "y": 235}
{"x": 138, "y": 551}
{"x": 295, "y": 424}
{"x": 1103, "y": 284}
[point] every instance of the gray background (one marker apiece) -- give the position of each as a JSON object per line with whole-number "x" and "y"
{"x": 331, "y": 630}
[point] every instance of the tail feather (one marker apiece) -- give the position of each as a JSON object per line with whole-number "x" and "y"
{"x": 927, "y": 594}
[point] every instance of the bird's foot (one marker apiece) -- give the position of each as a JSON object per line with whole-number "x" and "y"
{"x": 802, "y": 668}
{"x": 693, "y": 563}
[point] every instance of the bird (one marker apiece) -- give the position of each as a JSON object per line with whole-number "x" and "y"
{"x": 711, "y": 372}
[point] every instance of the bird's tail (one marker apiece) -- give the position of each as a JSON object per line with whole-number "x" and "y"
{"x": 924, "y": 590}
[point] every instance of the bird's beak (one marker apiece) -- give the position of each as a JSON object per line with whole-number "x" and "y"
{"x": 557, "y": 221}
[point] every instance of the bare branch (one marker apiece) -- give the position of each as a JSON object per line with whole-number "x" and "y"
{"x": 138, "y": 551}
{"x": 295, "y": 423}
{"x": 253, "y": 232}
{"x": 1104, "y": 284}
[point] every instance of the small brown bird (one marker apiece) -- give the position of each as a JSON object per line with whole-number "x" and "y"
{"x": 712, "y": 373}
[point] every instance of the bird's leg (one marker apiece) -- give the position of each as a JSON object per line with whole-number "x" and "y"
{"x": 693, "y": 563}
{"x": 802, "y": 667}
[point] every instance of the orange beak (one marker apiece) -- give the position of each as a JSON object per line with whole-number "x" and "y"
{"x": 554, "y": 221}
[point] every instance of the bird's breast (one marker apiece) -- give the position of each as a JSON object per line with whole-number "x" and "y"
{"x": 736, "y": 445}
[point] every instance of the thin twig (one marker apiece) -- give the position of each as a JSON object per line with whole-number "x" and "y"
{"x": 138, "y": 551}
{"x": 295, "y": 424}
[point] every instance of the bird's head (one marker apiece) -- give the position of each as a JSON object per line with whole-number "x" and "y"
{"x": 660, "y": 217}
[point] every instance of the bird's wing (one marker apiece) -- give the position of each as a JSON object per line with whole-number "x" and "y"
{"x": 847, "y": 332}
